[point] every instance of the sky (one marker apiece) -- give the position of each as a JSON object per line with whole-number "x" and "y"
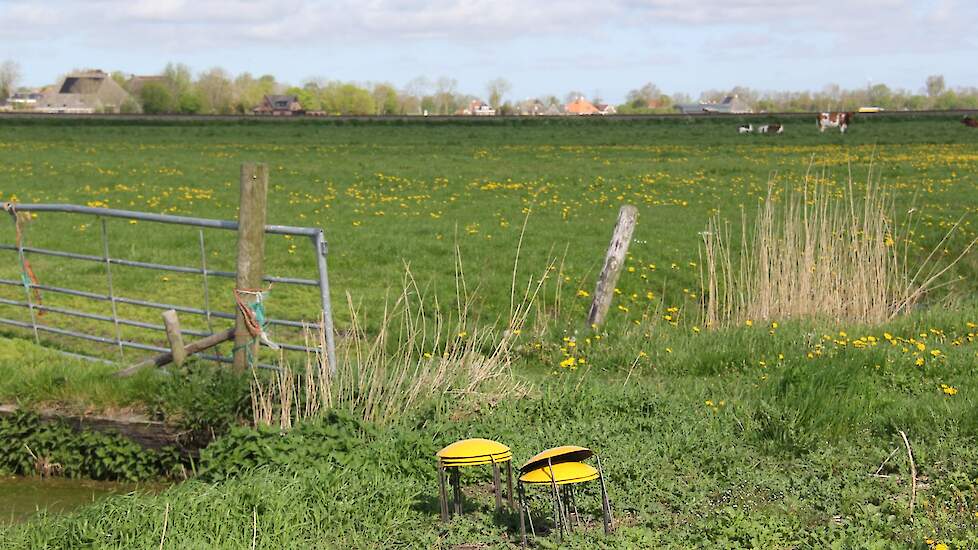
{"x": 600, "y": 48}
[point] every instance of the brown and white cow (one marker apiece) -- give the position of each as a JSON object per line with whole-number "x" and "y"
{"x": 774, "y": 128}
{"x": 834, "y": 120}
{"x": 970, "y": 122}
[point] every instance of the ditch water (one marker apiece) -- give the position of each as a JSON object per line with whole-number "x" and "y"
{"x": 22, "y": 497}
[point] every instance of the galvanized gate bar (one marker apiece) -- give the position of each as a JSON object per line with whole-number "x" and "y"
{"x": 97, "y": 317}
{"x": 145, "y": 347}
{"x": 321, "y": 251}
{"x": 128, "y": 322}
{"x": 162, "y": 218}
{"x": 155, "y": 305}
{"x": 322, "y": 281}
{"x": 108, "y": 275}
{"x": 203, "y": 271}
{"x": 151, "y": 265}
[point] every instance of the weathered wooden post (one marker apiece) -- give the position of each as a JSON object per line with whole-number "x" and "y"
{"x": 172, "y": 325}
{"x": 190, "y": 349}
{"x": 613, "y": 262}
{"x": 251, "y": 253}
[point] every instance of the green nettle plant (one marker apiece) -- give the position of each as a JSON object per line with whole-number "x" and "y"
{"x": 29, "y": 446}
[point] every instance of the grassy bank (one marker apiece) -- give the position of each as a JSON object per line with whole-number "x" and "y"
{"x": 785, "y": 435}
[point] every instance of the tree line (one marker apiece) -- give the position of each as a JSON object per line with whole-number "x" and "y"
{"x": 216, "y": 91}
{"x": 934, "y": 94}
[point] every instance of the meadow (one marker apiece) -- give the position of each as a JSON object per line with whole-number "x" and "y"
{"x": 762, "y": 433}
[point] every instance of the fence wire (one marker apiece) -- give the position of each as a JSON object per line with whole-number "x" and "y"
{"x": 116, "y": 300}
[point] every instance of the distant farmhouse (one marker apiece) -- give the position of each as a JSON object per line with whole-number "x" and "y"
{"x": 24, "y": 100}
{"x": 656, "y": 103}
{"x": 84, "y": 93}
{"x": 279, "y": 105}
{"x": 730, "y": 105}
{"x": 581, "y": 106}
{"x": 477, "y": 107}
{"x": 555, "y": 109}
{"x": 531, "y": 107}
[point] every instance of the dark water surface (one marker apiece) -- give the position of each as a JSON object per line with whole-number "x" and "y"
{"x": 22, "y": 497}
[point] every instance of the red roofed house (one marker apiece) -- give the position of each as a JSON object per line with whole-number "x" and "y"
{"x": 581, "y": 106}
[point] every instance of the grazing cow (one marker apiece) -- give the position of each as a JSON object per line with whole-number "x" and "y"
{"x": 834, "y": 120}
{"x": 771, "y": 129}
{"x": 970, "y": 122}
{"x": 745, "y": 129}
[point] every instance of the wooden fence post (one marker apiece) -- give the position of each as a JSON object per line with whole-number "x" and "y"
{"x": 251, "y": 253}
{"x": 172, "y": 325}
{"x": 613, "y": 262}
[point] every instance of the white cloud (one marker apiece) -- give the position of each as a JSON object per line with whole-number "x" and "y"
{"x": 322, "y": 21}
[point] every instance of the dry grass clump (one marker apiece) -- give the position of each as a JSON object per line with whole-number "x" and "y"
{"x": 813, "y": 253}
{"x": 416, "y": 355}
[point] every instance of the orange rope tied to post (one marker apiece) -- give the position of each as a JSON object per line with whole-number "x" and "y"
{"x": 250, "y": 315}
{"x": 254, "y": 314}
{"x": 28, "y": 277}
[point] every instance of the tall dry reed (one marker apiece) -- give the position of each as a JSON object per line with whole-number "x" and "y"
{"x": 416, "y": 354}
{"x": 815, "y": 252}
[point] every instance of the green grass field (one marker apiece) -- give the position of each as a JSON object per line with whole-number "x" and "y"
{"x": 767, "y": 434}
{"x": 390, "y": 195}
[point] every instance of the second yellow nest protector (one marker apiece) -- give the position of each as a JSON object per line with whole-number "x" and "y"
{"x": 471, "y": 452}
{"x": 564, "y": 453}
{"x": 564, "y": 473}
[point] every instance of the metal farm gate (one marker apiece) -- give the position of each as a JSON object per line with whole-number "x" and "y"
{"x": 116, "y": 298}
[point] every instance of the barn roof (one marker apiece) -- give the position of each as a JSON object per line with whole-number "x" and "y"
{"x": 91, "y": 90}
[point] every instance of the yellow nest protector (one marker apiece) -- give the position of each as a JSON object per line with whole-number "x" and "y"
{"x": 556, "y": 455}
{"x": 473, "y": 452}
{"x": 478, "y": 461}
{"x": 564, "y": 473}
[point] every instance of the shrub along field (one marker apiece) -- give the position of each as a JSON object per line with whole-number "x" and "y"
{"x": 762, "y": 432}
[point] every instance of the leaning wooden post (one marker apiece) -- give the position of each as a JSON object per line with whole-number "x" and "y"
{"x": 613, "y": 262}
{"x": 190, "y": 349}
{"x": 172, "y": 325}
{"x": 251, "y": 253}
